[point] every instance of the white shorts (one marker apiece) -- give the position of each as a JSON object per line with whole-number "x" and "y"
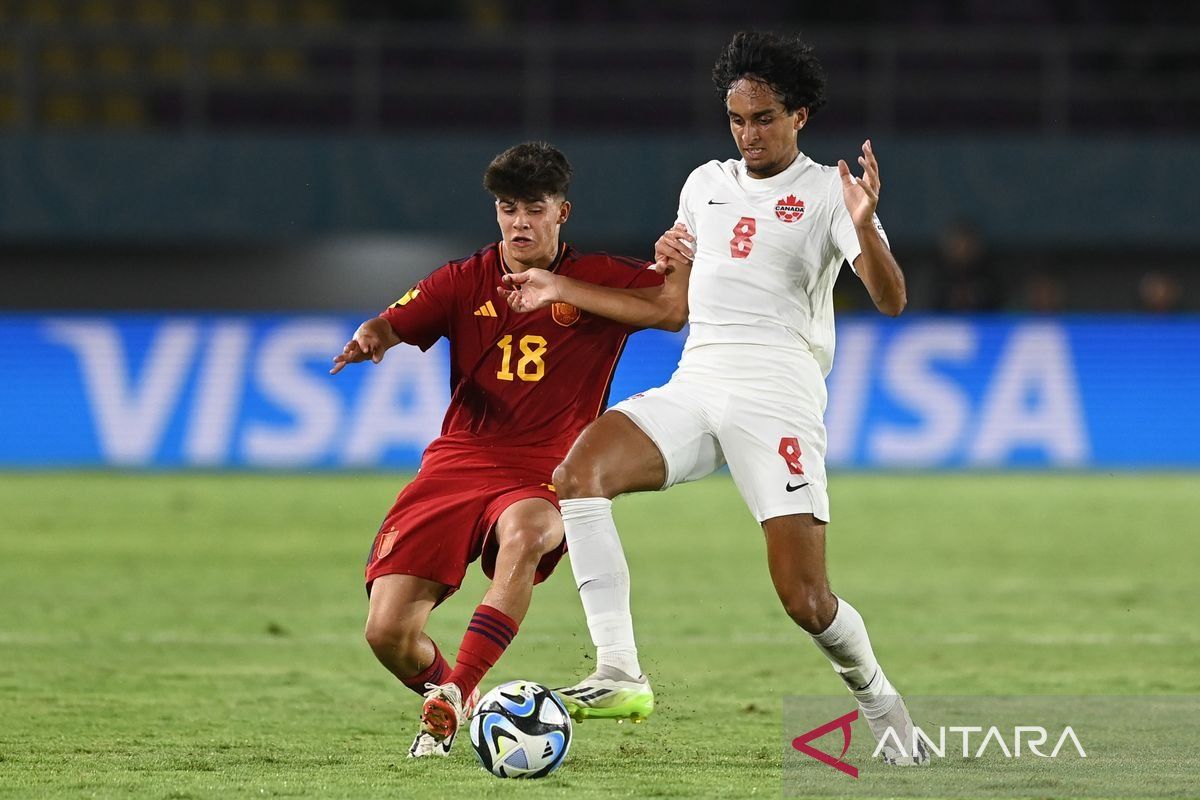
{"x": 766, "y": 425}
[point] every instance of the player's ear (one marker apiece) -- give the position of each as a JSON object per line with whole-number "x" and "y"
{"x": 564, "y": 211}
{"x": 800, "y": 118}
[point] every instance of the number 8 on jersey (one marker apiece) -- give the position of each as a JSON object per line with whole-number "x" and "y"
{"x": 742, "y": 242}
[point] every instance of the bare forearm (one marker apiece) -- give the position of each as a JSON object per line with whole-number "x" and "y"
{"x": 383, "y": 331}
{"x": 877, "y": 268}
{"x": 655, "y": 307}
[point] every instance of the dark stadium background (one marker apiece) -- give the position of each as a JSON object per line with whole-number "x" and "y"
{"x": 320, "y": 154}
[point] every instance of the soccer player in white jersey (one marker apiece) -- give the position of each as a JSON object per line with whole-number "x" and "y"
{"x": 752, "y": 259}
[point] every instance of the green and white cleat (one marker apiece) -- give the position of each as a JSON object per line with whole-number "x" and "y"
{"x": 609, "y": 693}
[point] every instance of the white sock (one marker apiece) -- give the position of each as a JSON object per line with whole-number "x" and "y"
{"x": 846, "y": 644}
{"x": 602, "y": 577}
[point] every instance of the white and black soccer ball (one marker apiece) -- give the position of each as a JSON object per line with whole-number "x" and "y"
{"x": 520, "y": 729}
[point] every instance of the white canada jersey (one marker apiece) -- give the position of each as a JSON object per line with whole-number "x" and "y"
{"x": 767, "y": 254}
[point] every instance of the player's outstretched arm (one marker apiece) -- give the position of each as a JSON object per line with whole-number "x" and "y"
{"x": 875, "y": 265}
{"x": 645, "y": 307}
{"x": 662, "y": 306}
{"x": 370, "y": 341}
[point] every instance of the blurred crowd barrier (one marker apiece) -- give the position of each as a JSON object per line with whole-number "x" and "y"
{"x": 1021, "y": 191}
{"x": 253, "y": 392}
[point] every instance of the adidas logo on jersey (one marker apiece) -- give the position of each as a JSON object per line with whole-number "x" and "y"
{"x": 486, "y": 310}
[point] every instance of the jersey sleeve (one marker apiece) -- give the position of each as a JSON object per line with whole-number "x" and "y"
{"x": 684, "y": 213}
{"x": 421, "y": 316}
{"x": 643, "y": 278}
{"x": 618, "y": 272}
{"x": 841, "y": 226}
{"x": 641, "y": 275}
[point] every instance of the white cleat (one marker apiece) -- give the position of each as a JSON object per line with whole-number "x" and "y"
{"x": 902, "y": 746}
{"x": 425, "y": 745}
{"x": 445, "y": 712}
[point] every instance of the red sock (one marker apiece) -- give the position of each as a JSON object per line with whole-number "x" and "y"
{"x": 435, "y": 673}
{"x": 488, "y": 634}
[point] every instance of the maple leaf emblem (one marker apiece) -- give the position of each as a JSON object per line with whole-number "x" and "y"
{"x": 790, "y": 208}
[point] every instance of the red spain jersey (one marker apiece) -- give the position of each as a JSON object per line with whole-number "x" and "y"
{"x": 523, "y": 386}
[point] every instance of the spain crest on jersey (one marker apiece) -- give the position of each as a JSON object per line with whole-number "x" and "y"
{"x": 386, "y": 542}
{"x": 565, "y": 314}
{"x": 789, "y": 209}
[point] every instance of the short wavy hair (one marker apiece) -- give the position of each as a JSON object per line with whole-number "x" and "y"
{"x": 529, "y": 171}
{"x": 784, "y": 63}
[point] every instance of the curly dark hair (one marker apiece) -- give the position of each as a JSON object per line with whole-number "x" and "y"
{"x": 529, "y": 172}
{"x": 785, "y": 63}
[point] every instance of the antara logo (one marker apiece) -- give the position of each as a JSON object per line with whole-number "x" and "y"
{"x": 843, "y": 723}
{"x": 1026, "y": 741}
{"x": 789, "y": 209}
{"x": 1024, "y": 738}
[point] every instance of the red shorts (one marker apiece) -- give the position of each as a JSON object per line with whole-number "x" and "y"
{"x": 443, "y": 521}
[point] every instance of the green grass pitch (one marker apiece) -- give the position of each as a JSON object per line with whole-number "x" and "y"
{"x": 188, "y": 636}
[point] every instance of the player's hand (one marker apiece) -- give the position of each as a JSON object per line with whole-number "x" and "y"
{"x": 674, "y": 250}
{"x": 861, "y": 194}
{"x": 529, "y": 290}
{"x": 366, "y": 344}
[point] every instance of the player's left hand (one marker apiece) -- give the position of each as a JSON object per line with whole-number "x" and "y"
{"x": 366, "y": 344}
{"x": 674, "y": 250}
{"x": 861, "y": 194}
{"x": 529, "y": 290}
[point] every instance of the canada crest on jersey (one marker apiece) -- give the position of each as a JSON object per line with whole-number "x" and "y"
{"x": 789, "y": 209}
{"x": 565, "y": 314}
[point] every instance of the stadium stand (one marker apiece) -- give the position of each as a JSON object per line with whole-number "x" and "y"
{"x": 1033, "y": 77}
{"x": 348, "y": 65}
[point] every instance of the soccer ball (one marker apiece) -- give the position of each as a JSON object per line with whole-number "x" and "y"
{"x": 520, "y": 729}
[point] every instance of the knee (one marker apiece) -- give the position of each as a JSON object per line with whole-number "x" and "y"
{"x": 527, "y": 544}
{"x": 577, "y": 477}
{"x": 810, "y": 607}
{"x": 395, "y": 637}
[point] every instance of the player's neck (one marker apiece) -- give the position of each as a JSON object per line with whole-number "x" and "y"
{"x": 774, "y": 169}
{"x": 543, "y": 262}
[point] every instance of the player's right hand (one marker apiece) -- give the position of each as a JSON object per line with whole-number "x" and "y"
{"x": 674, "y": 250}
{"x": 529, "y": 290}
{"x": 366, "y": 344}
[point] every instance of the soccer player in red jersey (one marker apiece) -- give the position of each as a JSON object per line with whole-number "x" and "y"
{"x": 523, "y": 387}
